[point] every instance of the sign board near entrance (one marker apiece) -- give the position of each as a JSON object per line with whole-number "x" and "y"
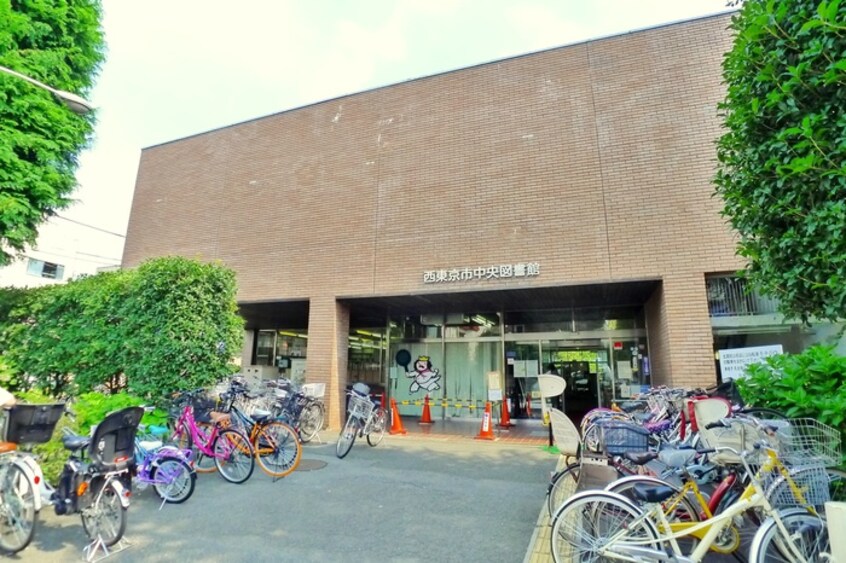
{"x": 482, "y": 273}
{"x": 733, "y": 362}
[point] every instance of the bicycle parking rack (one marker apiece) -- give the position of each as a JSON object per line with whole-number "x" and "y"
{"x": 90, "y": 552}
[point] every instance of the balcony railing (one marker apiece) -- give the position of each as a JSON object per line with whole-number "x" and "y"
{"x": 730, "y": 296}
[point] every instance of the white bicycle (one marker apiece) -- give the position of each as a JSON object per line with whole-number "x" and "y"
{"x": 364, "y": 418}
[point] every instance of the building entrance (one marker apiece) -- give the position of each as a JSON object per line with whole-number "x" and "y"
{"x": 584, "y": 367}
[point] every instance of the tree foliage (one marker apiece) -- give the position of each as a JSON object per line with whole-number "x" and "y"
{"x": 59, "y": 43}
{"x": 783, "y": 156}
{"x": 171, "y": 324}
{"x": 184, "y": 328}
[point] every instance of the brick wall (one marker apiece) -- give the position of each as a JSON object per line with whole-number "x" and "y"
{"x": 594, "y": 160}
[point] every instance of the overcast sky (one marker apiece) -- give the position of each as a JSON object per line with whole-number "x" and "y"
{"x": 175, "y": 68}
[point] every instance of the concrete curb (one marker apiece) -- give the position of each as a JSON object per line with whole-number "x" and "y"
{"x": 539, "y": 548}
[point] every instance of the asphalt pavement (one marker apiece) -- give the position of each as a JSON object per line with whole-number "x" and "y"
{"x": 410, "y": 499}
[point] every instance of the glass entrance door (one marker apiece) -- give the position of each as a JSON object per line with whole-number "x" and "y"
{"x": 585, "y": 370}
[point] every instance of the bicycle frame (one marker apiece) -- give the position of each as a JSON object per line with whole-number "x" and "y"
{"x": 187, "y": 423}
{"x": 253, "y": 428}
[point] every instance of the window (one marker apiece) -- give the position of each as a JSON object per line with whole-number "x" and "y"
{"x": 44, "y": 269}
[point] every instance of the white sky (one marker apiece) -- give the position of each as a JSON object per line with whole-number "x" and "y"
{"x": 175, "y": 68}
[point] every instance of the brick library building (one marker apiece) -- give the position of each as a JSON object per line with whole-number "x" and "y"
{"x": 457, "y": 235}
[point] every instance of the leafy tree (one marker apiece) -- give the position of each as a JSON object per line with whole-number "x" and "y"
{"x": 184, "y": 326}
{"x": 171, "y": 324}
{"x": 59, "y": 43}
{"x": 72, "y": 330}
{"x": 783, "y": 156}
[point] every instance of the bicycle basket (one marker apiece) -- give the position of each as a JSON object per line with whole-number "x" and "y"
{"x": 812, "y": 481}
{"x": 203, "y": 406}
{"x": 621, "y": 437}
{"x": 33, "y": 424}
{"x": 316, "y": 390}
{"x": 360, "y": 407}
{"x": 807, "y": 441}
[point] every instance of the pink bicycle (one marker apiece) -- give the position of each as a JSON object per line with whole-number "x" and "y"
{"x": 231, "y": 450}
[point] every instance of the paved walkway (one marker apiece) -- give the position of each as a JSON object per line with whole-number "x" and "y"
{"x": 528, "y": 431}
{"x": 441, "y": 496}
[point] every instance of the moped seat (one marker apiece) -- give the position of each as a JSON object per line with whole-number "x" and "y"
{"x": 75, "y": 443}
{"x": 7, "y": 447}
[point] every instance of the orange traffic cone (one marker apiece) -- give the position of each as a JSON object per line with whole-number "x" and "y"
{"x": 396, "y": 420}
{"x": 426, "y": 418}
{"x": 486, "y": 431}
{"x": 505, "y": 419}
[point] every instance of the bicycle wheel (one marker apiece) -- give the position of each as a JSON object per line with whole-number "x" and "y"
{"x": 376, "y": 430}
{"x": 106, "y": 517}
{"x": 233, "y": 456}
{"x": 347, "y": 437}
{"x": 311, "y": 421}
{"x": 806, "y": 540}
{"x": 17, "y": 509}
{"x": 561, "y": 487}
{"x": 278, "y": 450}
{"x": 592, "y": 521}
{"x": 677, "y": 509}
{"x": 173, "y": 480}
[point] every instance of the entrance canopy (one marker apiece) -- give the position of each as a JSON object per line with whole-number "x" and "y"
{"x": 274, "y": 314}
{"x": 372, "y": 311}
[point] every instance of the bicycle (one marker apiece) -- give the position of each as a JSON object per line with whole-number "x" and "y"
{"x": 168, "y": 469}
{"x": 230, "y": 449}
{"x": 364, "y": 418}
{"x": 609, "y": 456}
{"x": 20, "y": 501}
{"x": 275, "y": 444}
{"x": 303, "y": 409}
{"x": 94, "y": 482}
{"x": 609, "y": 525}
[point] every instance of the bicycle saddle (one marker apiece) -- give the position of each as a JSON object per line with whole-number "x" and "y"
{"x": 656, "y": 427}
{"x": 641, "y": 458}
{"x": 260, "y": 415}
{"x": 75, "y": 443}
{"x": 649, "y": 493}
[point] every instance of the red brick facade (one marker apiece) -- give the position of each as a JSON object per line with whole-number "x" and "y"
{"x": 359, "y": 195}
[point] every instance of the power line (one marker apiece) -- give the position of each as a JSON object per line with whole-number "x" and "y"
{"x": 91, "y": 226}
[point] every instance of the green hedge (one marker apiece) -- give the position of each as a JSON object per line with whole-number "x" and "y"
{"x": 807, "y": 385}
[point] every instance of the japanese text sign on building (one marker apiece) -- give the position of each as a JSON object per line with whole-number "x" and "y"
{"x": 479, "y": 273}
{"x": 733, "y": 362}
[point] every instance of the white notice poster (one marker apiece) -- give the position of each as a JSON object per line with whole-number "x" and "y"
{"x": 733, "y": 362}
